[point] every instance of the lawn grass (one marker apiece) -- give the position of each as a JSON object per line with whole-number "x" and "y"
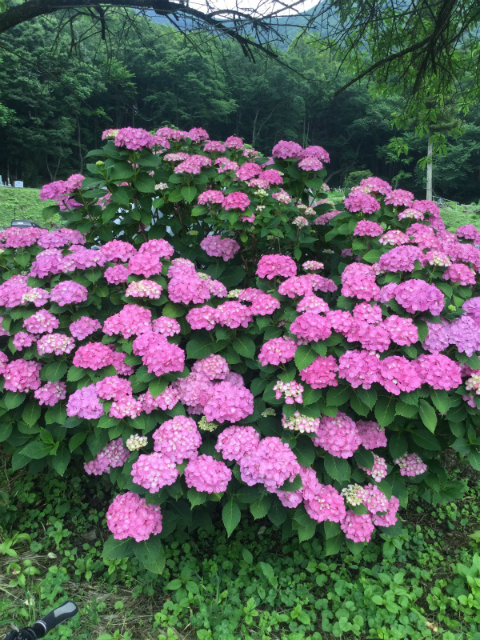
{"x": 23, "y": 204}
{"x": 252, "y": 586}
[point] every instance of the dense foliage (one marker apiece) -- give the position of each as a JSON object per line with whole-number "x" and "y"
{"x": 420, "y": 585}
{"x": 57, "y": 103}
{"x": 311, "y": 409}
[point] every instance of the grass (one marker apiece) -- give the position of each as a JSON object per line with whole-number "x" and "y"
{"x": 24, "y": 204}
{"x": 253, "y": 586}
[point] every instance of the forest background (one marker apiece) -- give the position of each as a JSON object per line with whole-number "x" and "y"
{"x": 59, "y": 89}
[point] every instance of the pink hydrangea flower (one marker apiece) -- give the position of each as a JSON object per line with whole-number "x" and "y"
{"x": 110, "y": 457}
{"x": 23, "y": 340}
{"x": 154, "y": 471}
{"x": 277, "y": 351}
{"x": 22, "y": 375}
{"x": 411, "y": 465}
{"x": 359, "y": 202}
{"x": 339, "y": 436}
{"x": 274, "y": 265}
{"x": 359, "y": 368}
{"x": 321, "y": 373}
{"x": 310, "y": 327}
{"x": 324, "y": 503}
{"x": 368, "y": 228}
{"x": 129, "y": 516}
{"x": 235, "y": 442}
{"x": 272, "y": 463}
{"x": 357, "y": 527}
{"x": 228, "y": 403}
{"x": 439, "y": 371}
{"x": 130, "y": 321}
{"x": 371, "y": 434}
{"x": 113, "y": 388}
{"x": 84, "y": 327}
{"x": 56, "y": 343}
{"x": 286, "y": 149}
{"x": 460, "y": 273}
{"x": 94, "y": 356}
{"x": 178, "y": 439}
{"x": 68, "y": 293}
{"x": 134, "y": 139}
{"x": 399, "y": 198}
{"x": 41, "y": 322}
{"x": 236, "y": 200}
{"x": 51, "y": 393}
{"x": 211, "y": 197}
{"x": 396, "y": 374}
{"x": 219, "y": 247}
{"x": 144, "y": 264}
{"x": 207, "y": 474}
{"x": 85, "y": 403}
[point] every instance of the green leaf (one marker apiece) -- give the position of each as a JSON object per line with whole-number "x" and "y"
{"x": 305, "y": 451}
{"x": 36, "y": 450}
{"x": 231, "y": 516}
{"x": 333, "y": 545}
{"x": 56, "y": 414}
{"x": 244, "y": 346}
{"x": 151, "y": 554}
{"x": 426, "y": 440}
{"x": 54, "y": 371}
{"x": 337, "y": 468}
{"x": 76, "y": 440}
{"x": 31, "y": 414}
{"x": 75, "y": 374}
{"x": 121, "y": 198}
{"x": 428, "y": 415}
{"x": 405, "y": 410}
{"x": 6, "y": 429}
{"x": 364, "y": 458}
{"x": 199, "y": 348}
{"x": 196, "y": 498}
{"x": 269, "y": 573}
{"x": 260, "y": 507}
{"x": 304, "y": 356}
{"x": 371, "y": 256}
{"x": 157, "y": 386}
{"x": 474, "y": 460}
{"x": 61, "y": 460}
{"x": 247, "y": 556}
{"x": 307, "y": 530}
{"x": 171, "y": 310}
{"x": 114, "y": 549}
{"x": 189, "y": 193}
{"x": 441, "y": 400}
{"x": 397, "y": 445}
{"x": 144, "y": 183}
{"x": 233, "y": 276}
{"x": 120, "y": 171}
{"x": 385, "y": 410}
{"x": 12, "y": 400}
{"x": 336, "y": 396}
{"x": 174, "y": 585}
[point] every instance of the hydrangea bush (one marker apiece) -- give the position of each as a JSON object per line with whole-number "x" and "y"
{"x": 312, "y": 395}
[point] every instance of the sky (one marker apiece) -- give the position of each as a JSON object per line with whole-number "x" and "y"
{"x": 260, "y": 7}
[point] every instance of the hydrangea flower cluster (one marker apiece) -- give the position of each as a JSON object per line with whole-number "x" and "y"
{"x": 156, "y": 352}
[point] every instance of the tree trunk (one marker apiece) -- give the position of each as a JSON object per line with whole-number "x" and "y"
{"x": 430, "y": 170}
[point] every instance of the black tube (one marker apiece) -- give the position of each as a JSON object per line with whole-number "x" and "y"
{"x": 64, "y": 612}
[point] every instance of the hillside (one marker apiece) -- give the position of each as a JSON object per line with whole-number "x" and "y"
{"x": 24, "y": 204}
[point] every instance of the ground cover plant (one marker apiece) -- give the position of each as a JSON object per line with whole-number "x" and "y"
{"x": 209, "y": 332}
{"x": 419, "y": 585}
